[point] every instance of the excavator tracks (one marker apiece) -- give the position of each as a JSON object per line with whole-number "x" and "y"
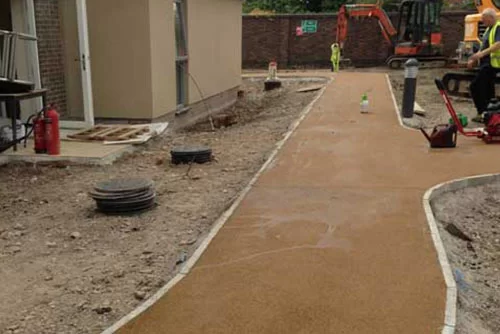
{"x": 457, "y": 83}
{"x": 396, "y": 62}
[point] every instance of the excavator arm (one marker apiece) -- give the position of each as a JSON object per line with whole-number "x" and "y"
{"x": 364, "y": 10}
{"x": 417, "y": 36}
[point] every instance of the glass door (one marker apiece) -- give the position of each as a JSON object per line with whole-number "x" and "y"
{"x": 78, "y": 82}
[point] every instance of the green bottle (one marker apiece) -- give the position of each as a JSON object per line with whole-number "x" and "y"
{"x": 462, "y": 118}
{"x": 364, "y": 103}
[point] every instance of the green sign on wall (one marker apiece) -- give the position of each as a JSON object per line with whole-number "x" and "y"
{"x": 309, "y": 26}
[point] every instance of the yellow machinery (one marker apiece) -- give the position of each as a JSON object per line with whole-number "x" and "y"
{"x": 474, "y": 28}
{"x": 457, "y": 83}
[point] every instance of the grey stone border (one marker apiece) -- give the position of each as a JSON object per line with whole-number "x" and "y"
{"x": 254, "y": 78}
{"x": 219, "y": 223}
{"x": 430, "y": 195}
{"x": 396, "y": 107}
{"x": 451, "y": 288}
{"x": 450, "y": 316}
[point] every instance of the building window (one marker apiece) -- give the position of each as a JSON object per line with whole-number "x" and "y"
{"x": 181, "y": 61}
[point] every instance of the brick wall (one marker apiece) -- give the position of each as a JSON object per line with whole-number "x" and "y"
{"x": 50, "y": 48}
{"x": 273, "y": 37}
{"x": 5, "y": 19}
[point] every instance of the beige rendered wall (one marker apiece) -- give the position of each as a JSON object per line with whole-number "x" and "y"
{"x": 119, "y": 38}
{"x": 132, "y": 47}
{"x": 162, "y": 56}
{"x": 214, "y": 46}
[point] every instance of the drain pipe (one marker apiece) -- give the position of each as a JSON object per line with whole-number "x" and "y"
{"x": 410, "y": 87}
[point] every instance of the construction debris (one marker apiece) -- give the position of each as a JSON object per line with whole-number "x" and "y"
{"x": 455, "y": 231}
{"x": 272, "y": 84}
{"x": 418, "y": 110}
{"x": 224, "y": 120}
{"x": 309, "y": 89}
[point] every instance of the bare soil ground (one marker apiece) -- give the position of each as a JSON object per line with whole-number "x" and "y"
{"x": 67, "y": 269}
{"x": 473, "y": 211}
{"x": 475, "y": 264}
{"x": 429, "y": 99}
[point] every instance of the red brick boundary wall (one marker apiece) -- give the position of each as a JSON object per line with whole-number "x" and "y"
{"x": 50, "y": 51}
{"x": 273, "y": 37}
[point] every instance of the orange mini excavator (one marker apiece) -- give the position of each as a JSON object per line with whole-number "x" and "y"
{"x": 418, "y": 33}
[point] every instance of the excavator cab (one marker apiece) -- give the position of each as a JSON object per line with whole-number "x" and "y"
{"x": 419, "y": 22}
{"x": 418, "y": 32}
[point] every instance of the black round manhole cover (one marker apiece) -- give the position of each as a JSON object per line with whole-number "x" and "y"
{"x": 127, "y": 202}
{"x": 197, "y": 154}
{"x": 183, "y": 150}
{"x": 130, "y": 210}
{"x": 123, "y": 185}
{"x": 122, "y": 196}
{"x": 98, "y": 195}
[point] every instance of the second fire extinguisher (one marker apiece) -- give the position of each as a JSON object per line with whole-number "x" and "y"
{"x": 52, "y": 140}
{"x": 39, "y": 133}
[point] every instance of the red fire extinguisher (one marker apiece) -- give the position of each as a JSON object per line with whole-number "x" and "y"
{"x": 39, "y": 133}
{"x": 52, "y": 140}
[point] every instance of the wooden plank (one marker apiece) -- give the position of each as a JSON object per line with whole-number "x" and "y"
{"x": 102, "y": 132}
{"x": 153, "y": 130}
{"x": 128, "y": 134}
{"x": 85, "y": 133}
{"x": 109, "y": 133}
{"x": 113, "y": 132}
{"x": 88, "y": 130}
{"x": 309, "y": 89}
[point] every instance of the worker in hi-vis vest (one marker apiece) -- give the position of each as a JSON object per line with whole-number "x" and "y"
{"x": 335, "y": 58}
{"x": 482, "y": 88}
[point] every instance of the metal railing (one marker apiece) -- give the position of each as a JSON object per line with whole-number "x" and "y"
{"x": 8, "y": 54}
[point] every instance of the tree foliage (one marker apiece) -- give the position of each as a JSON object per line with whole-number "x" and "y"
{"x": 303, "y": 6}
{"x": 293, "y": 6}
{"x": 329, "y": 6}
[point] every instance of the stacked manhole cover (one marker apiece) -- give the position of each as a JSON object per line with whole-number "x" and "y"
{"x": 187, "y": 155}
{"x": 124, "y": 196}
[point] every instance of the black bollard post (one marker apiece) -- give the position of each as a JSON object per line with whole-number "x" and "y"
{"x": 410, "y": 88}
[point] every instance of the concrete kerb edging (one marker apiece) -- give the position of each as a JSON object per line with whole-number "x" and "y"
{"x": 453, "y": 185}
{"x": 396, "y": 107}
{"x": 260, "y": 77}
{"x": 430, "y": 195}
{"x": 219, "y": 222}
{"x": 451, "y": 289}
